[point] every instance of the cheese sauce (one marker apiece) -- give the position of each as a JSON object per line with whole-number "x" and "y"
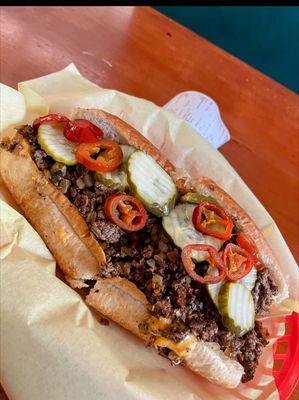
{"x": 182, "y": 348}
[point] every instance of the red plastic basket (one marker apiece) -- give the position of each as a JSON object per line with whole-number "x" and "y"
{"x": 286, "y": 358}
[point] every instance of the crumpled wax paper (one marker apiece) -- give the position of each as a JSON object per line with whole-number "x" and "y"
{"x": 52, "y": 345}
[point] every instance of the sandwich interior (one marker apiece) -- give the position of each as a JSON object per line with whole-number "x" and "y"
{"x": 151, "y": 261}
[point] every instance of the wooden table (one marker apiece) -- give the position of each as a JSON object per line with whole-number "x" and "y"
{"x": 141, "y": 52}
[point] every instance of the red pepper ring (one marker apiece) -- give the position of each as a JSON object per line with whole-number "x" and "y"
{"x": 214, "y": 259}
{"x": 107, "y": 161}
{"x": 245, "y": 243}
{"x": 237, "y": 261}
{"x": 49, "y": 118}
{"x": 126, "y": 212}
{"x": 209, "y": 214}
{"x": 82, "y": 131}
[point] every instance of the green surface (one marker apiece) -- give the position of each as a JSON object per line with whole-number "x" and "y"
{"x": 266, "y": 37}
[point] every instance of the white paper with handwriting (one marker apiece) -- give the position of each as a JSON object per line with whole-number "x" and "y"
{"x": 202, "y": 113}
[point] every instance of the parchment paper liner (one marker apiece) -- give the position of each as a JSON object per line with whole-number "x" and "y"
{"x": 52, "y": 347}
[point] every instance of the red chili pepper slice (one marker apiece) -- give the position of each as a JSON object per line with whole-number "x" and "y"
{"x": 125, "y": 211}
{"x": 82, "y": 131}
{"x": 49, "y": 118}
{"x": 238, "y": 262}
{"x": 212, "y": 220}
{"x": 246, "y": 244}
{"x": 214, "y": 259}
{"x": 108, "y": 160}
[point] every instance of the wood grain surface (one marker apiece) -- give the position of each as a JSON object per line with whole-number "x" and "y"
{"x": 141, "y": 52}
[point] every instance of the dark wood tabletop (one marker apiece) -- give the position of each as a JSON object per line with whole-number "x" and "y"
{"x": 141, "y": 52}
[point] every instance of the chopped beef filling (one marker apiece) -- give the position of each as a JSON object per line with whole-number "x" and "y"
{"x": 149, "y": 259}
{"x": 263, "y": 292}
{"x": 106, "y": 231}
{"x": 41, "y": 159}
{"x": 29, "y": 133}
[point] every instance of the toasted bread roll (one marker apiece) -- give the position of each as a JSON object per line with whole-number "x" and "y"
{"x": 57, "y": 221}
{"x": 80, "y": 256}
{"x": 120, "y": 300}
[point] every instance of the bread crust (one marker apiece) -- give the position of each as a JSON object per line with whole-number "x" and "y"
{"x": 57, "y": 221}
{"x": 115, "y": 128}
{"x": 80, "y": 257}
{"x": 120, "y": 300}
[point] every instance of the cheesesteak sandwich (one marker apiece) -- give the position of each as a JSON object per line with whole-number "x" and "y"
{"x": 178, "y": 263}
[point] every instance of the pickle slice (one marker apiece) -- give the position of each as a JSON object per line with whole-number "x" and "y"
{"x": 179, "y": 226}
{"x": 52, "y": 140}
{"x": 236, "y": 307}
{"x": 214, "y": 288}
{"x": 151, "y": 184}
{"x": 197, "y": 198}
{"x": 249, "y": 279}
{"x": 127, "y": 151}
{"x": 118, "y": 178}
